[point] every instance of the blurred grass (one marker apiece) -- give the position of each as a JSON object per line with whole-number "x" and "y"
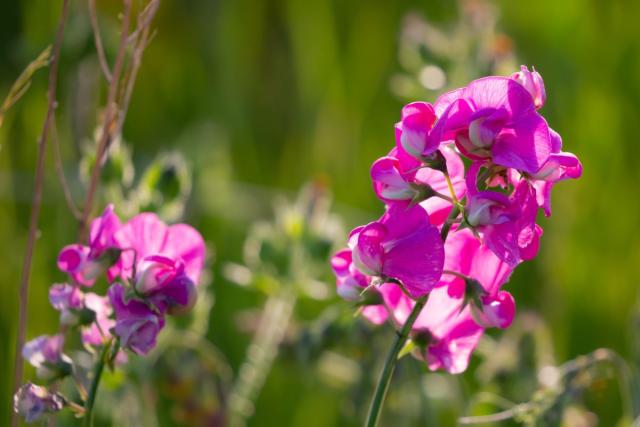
{"x": 269, "y": 94}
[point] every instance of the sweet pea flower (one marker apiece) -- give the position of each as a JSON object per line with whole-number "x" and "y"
{"x": 32, "y": 402}
{"x": 137, "y": 324}
{"x": 45, "y": 354}
{"x": 447, "y": 334}
{"x": 402, "y": 245}
{"x": 97, "y": 332}
{"x": 85, "y": 263}
{"x": 349, "y": 281}
{"x": 400, "y": 178}
{"x": 163, "y": 261}
{"x": 532, "y": 82}
{"x": 495, "y": 311}
{"x": 507, "y": 224}
{"x": 412, "y": 132}
{"x": 494, "y": 118}
{"x": 164, "y": 282}
{"x": 559, "y": 167}
{"x": 350, "y": 284}
{"x": 68, "y": 300}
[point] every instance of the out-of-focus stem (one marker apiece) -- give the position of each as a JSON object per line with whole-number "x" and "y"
{"x": 95, "y": 383}
{"x": 260, "y": 356}
{"x": 102, "y": 58}
{"x": 35, "y": 206}
{"x": 109, "y": 116}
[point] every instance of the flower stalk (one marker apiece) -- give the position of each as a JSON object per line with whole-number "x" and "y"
{"x": 390, "y": 363}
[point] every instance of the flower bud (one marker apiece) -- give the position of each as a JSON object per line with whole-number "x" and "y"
{"x": 155, "y": 272}
{"x": 45, "y": 354}
{"x": 488, "y": 207}
{"x": 494, "y": 311}
{"x": 417, "y": 120}
{"x": 32, "y": 402}
{"x": 532, "y": 82}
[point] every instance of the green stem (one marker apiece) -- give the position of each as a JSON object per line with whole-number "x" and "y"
{"x": 390, "y": 364}
{"x": 401, "y": 338}
{"x": 97, "y": 375}
{"x": 261, "y": 354}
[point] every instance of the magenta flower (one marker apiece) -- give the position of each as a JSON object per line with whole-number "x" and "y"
{"x": 467, "y": 256}
{"x": 400, "y": 178}
{"x": 45, "y": 354}
{"x": 507, "y": 224}
{"x": 137, "y": 324}
{"x": 402, "y": 245}
{"x": 164, "y": 282}
{"x": 412, "y": 132}
{"x": 68, "y": 300}
{"x": 98, "y": 332}
{"x": 85, "y": 263}
{"x": 494, "y": 118}
{"x": 32, "y": 402}
{"x": 447, "y": 334}
{"x": 532, "y": 82}
{"x": 145, "y": 235}
{"x": 349, "y": 281}
{"x": 496, "y": 311}
{"x": 559, "y": 167}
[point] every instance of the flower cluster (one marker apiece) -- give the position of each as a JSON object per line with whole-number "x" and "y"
{"x": 462, "y": 188}
{"x": 152, "y": 270}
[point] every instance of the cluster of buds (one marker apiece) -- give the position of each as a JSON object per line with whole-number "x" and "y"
{"x": 152, "y": 270}
{"x": 462, "y": 189}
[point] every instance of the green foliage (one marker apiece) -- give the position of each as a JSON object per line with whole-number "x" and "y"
{"x": 261, "y": 97}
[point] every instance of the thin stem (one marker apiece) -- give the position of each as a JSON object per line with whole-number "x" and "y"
{"x": 454, "y": 198}
{"x": 455, "y": 273}
{"x": 109, "y": 116}
{"x": 446, "y": 227}
{"x": 102, "y": 58}
{"x": 443, "y": 197}
{"x": 400, "y": 340}
{"x": 35, "y": 206}
{"x": 390, "y": 364}
{"x": 260, "y": 356}
{"x": 95, "y": 382}
{"x": 143, "y": 37}
{"x": 68, "y": 197}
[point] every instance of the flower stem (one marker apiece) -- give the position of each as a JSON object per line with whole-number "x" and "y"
{"x": 401, "y": 338}
{"x": 36, "y": 204}
{"x": 390, "y": 364}
{"x": 260, "y": 356}
{"x": 97, "y": 375}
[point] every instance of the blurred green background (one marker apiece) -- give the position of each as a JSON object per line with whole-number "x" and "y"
{"x": 264, "y": 96}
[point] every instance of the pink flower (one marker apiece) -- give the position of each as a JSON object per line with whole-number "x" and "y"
{"x": 68, "y": 300}
{"x": 447, "y": 334}
{"x": 559, "y": 167}
{"x": 532, "y": 82}
{"x": 496, "y": 311}
{"x": 146, "y": 235}
{"x": 98, "y": 332}
{"x": 402, "y": 245}
{"x": 32, "y": 402}
{"x": 349, "y": 281}
{"x": 137, "y": 324}
{"x": 507, "y": 224}
{"x": 494, "y": 118}
{"x": 467, "y": 256}
{"x": 400, "y": 178}
{"x": 412, "y": 132}
{"x": 85, "y": 263}
{"x": 164, "y": 262}
{"x": 45, "y": 354}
